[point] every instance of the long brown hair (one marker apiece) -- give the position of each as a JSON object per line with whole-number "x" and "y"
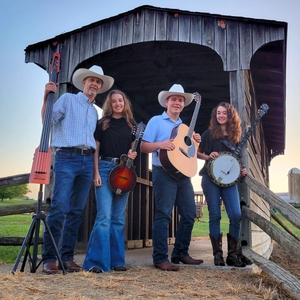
{"x": 107, "y": 110}
{"x": 233, "y": 125}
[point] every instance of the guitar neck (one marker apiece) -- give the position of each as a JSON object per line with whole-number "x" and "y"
{"x": 195, "y": 115}
{"x": 194, "y": 119}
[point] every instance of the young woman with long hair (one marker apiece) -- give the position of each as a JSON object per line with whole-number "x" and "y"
{"x": 224, "y": 129}
{"x": 114, "y": 137}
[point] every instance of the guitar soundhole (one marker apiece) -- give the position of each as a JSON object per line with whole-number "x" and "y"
{"x": 187, "y": 141}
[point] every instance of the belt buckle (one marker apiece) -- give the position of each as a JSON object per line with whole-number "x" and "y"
{"x": 82, "y": 151}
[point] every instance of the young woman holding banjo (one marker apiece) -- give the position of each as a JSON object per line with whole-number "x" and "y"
{"x": 114, "y": 137}
{"x": 222, "y": 137}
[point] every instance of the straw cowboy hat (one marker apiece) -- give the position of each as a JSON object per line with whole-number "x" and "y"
{"x": 95, "y": 71}
{"x": 176, "y": 89}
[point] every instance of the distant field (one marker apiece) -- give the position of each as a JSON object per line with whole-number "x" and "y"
{"x": 18, "y": 226}
{"x": 13, "y": 226}
{"x": 16, "y": 202}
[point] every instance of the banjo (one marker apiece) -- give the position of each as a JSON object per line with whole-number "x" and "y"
{"x": 225, "y": 169}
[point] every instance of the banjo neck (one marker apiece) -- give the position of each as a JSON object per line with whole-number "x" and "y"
{"x": 262, "y": 110}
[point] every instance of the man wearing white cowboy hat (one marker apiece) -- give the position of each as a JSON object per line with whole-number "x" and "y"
{"x": 74, "y": 120}
{"x": 169, "y": 191}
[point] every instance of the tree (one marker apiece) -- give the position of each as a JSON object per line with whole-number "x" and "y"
{"x": 14, "y": 191}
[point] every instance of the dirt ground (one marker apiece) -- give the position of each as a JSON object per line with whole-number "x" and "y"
{"x": 146, "y": 282}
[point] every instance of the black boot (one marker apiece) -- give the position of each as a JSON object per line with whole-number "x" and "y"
{"x": 217, "y": 250}
{"x": 232, "y": 258}
{"x": 243, "y": 258}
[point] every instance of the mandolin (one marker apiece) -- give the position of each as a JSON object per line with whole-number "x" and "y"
{"x": 40, "y": 171}
{"x": 181, "y": 162}
{"x": 122, "y": 178}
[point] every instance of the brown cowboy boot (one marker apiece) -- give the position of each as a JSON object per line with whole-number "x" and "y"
{"x": 217, "y": 250}
{"x": 232, "y": 258}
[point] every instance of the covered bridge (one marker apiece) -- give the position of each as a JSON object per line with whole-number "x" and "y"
{"x": 224, "y": 58}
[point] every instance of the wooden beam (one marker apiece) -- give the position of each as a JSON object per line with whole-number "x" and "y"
{"x": 144, "y": 181}
{"x": 287, "y": 241}
{"x": 14, "y": 180}
{"x": 286, "y": 228}
{"x": 15, "y": 241}
{"x": 21, "y": 209}
{"x": 287, "y": 210}
{"x": 288, "y": 281}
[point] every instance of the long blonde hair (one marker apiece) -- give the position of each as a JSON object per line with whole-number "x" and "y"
{"x": 108, "y": 111}
{"x": 233, "y": 125}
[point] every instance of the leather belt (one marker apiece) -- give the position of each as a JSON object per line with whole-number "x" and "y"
{"x": 81, "y": 151}
{"x": 114, "y": 160}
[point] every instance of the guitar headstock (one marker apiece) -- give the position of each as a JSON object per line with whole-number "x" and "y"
{"x": 197, "y": 97}
{"x": 263, "y": 109}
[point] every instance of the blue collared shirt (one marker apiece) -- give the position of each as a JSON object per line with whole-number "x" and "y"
{"x": 74, "y": 121}
{"x": 159, "y": 129}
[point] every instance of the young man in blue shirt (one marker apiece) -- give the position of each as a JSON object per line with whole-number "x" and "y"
{"x": 169, "y": 191}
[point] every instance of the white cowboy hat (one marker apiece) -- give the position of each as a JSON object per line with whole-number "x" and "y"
{"x": 176, "y": 89}
{"x": 95, "y": 71}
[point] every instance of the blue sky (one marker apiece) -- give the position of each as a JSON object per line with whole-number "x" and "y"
{"x": 23, "y": 23}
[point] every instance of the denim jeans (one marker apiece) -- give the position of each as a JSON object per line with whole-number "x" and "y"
{"x": 106, "y": 247}
{"x": 72, "y": 182}
{"x": 169, "y": 192}
{"x": 230, "y": 196}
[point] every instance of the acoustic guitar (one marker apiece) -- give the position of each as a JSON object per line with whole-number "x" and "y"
{"x": 181, "y": 162}
{"x": 40, "y": 171}
{"x": 122, "y": 178}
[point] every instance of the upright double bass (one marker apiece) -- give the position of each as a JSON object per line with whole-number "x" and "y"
{"x": 40, "y": 171}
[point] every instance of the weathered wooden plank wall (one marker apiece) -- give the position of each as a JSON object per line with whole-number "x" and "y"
{"x": 258, "y": 166}
{"x": 234, "y": 40}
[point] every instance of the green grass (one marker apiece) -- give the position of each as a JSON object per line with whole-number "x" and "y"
{"x": 201, "y": 227}
{"x": 18, "y": 226}
{"x": 13, "y": 226}
{"x": 17, "y": 201}
{"x": 291, "y": 227}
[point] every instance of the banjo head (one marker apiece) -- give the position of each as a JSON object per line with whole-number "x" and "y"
{"x": 224, "y": 170}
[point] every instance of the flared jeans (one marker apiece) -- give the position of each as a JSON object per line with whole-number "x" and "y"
{"x": 106, "y": 246}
